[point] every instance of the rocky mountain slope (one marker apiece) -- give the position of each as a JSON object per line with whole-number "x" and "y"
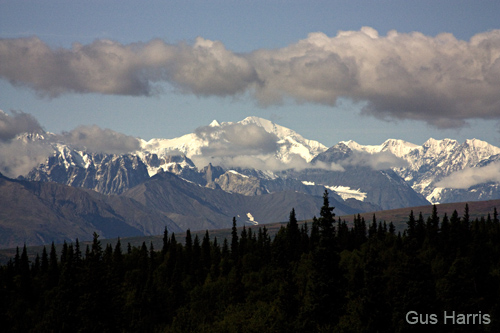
{"x": 359, "y": 180}
{"x": 256, "y": 157}
{"x": 254, "y": 169}
{"x": 287, "y": 142}
{"x": 104, "y": 173}
{"x": 196, "y": 207}
{"x": 445, "y": 170}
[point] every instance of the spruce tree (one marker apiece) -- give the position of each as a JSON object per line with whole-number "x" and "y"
{"x": 234, "y": 240}
{"x": 326, "y": 219}
{"x": 164, "y": 248}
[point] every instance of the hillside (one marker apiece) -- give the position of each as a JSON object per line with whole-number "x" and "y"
{"x": 39, "y": 213}
{"x": 400, "y": 216}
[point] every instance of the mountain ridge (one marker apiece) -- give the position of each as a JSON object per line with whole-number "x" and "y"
{"x": 436, "y": 160}
{"x": 263, "y": 169}
{"x": 428, "y": 165}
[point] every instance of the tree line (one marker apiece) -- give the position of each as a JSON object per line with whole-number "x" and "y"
{"x": 325, "y": 276}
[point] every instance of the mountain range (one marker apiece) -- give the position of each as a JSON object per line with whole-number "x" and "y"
{"x": 254, "y": 169}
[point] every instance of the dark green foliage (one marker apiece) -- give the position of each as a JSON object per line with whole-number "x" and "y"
{"x": 328, "y": 278}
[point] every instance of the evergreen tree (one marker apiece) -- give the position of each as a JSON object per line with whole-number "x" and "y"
{"x": 78, "y": 253}
{"x": 326, "y": 219}
{"x": 325, "y": 293}
{"x": 53, "y": 269}
{"x": 44, "y": 265}
{"x": 412, "y": 223}
{"x": 165, "y": 242}
{"x": 234, "y": 240}
{"x": 293, "y": 236}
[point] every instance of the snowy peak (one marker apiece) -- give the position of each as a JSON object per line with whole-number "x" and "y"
{"x": 268, "y": 125}
{"x": 32, "y": 137}
{"x": 433, "y": 146}
{"x": 429, "y": 149}
{"x": 189, "y": 145}
{"x": 214, "y": 123}
{"x": 482, "y": 147}
{"x": 219, "y": 138}
{"x": 284, "y": 133}
{"x": 355, "y": 146}
{"x": 397, "y": 147}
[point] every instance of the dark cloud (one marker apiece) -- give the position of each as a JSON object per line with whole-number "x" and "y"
{"x": 98, "y": 140}
{"x": 108, "y": 67}
{"x": 18, "y": 123}
{"x": 440, "y": 80}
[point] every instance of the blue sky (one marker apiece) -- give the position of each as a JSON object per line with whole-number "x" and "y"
{"x": 250, "y": 31}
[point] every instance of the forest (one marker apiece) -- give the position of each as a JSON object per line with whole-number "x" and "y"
{"x": 440, "y": 274}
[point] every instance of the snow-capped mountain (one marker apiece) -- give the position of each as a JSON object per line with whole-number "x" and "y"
{"x": 104, "y": 173}
{"x": 211, "y": 138}
{"x": 363, "y": 177}
{"x": 253, "y": 169}
{"x": 438, "y": 168}
{"x": 256, "y": 156}
{"x": 289, "y": 142}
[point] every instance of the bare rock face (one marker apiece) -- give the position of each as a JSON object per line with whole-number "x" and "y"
{"x": 445, "y": 171}
{"x": 384, "y": 187}
{"x": 235, "y": 182}
{"x": 104, "y": 173}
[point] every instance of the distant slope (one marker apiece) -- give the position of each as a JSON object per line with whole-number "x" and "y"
{"x": 439, "y": 171}
{"x": 382, "y": 187}
{"x": 400, "y": 216}
{"x": 192, "y": 206}
{"x": 39, "y": 213}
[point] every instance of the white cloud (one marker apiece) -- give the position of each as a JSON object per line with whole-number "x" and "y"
{"x": 98, "y": 140}
{"x": 19, "y": 157}
{"x": 247, "y": 146}
{"x": 466, "y": 178}
{"x": 440, "y": 80}
{"x": 237, "y": 139}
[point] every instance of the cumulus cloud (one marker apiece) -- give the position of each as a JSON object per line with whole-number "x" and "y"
{"x": 237, "y": 139}
{"x": 466, "y": 178}
{"x": 248, "y": 146}
{"x": 19, "y": 157}
{"x": 437, "y": 79}
{"x": 238, "y": 145}
{"x": 440, "y": 80}
{"x": 18, "y": 123}
{"x": 95, "y": 139}
{"x": 108, "y": 67}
